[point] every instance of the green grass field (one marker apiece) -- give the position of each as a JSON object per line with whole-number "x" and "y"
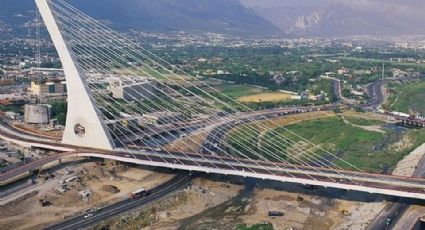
{"x": 363, "y": 122}
{"x": 408, "y": 98}
{"x": 236, "y": 91}
{"x": 367, "y": 150}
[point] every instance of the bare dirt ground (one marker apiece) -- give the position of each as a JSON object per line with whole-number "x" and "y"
{"x": 107, "y": 184}
{"x": 367, "y": 116}
{"x": 203, "y": 195}
{"x": 308, "y": 212}
{"x": 310, "y": 209}
{"x": 407, "y": 166}
{"x": 219, "y": 205}
{"x": 361, "y": 214}
{"x": 370, "y": 128}
{"x": 190, "y": 143}
{"x": 33, "y": 130}
{"x": 168, "y": 213}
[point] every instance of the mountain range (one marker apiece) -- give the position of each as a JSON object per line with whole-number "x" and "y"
{"x": 330, "y": 18}
{"x": 217, "y": 16}
{"x": 325, "y": 18}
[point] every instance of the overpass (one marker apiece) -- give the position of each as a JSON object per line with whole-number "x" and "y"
{"x": 364, "y": 182}
{"x": 411, "y": 121}
{"x": 348, "y": 180}
{"x": 91, "y": 54}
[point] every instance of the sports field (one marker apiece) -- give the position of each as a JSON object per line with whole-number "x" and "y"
{"x": 265, "y": 97}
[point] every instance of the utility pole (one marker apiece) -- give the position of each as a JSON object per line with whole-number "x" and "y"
{"x": 383, "y": 70}
{"x": 38, "y": 55}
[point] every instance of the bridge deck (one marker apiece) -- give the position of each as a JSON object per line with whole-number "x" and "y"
{"x": 409, "y": 187}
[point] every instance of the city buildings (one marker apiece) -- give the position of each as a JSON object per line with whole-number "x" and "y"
{"x": 45, "y": 87}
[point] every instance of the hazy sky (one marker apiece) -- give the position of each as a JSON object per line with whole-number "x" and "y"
{"x": 365, "y": 3}
{"x": 274, "y": 3}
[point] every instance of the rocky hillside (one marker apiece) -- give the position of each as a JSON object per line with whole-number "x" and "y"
{"x": 330, "y": 18}
{"x": 219, "y": 16}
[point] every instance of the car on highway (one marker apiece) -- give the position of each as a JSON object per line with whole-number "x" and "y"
{"x": 88, "y": 215}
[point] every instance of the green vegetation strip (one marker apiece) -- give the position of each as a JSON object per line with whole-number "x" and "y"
{"x": 368, "y": 150}
{"x": 407, "y": 98}
{"x": 363, "y": 122}
{"x": 266, "y": 226}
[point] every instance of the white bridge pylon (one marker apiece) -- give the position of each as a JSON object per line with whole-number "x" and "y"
{"x": 91, "y": 53}
{"x": 83, "y": 125}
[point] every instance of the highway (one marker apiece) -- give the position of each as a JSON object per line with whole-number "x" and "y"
{"x": 181, "y": 181}
{"x": 376, "y": 94}
{"x": 336, "y": 85}
{"x": 29, "y": 167}
{"x": 366, "y": 182}
{"x": 215, "y": 137}
{"x": 162, "y": 129}
{"x": 375, "y": 183}
{"x": 395, "y": 210}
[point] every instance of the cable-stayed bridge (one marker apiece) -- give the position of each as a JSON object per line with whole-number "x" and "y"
{"x": 115, "y": 86}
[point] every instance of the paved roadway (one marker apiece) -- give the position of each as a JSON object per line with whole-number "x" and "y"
{"x": 383, "y": 184}
{"x": 336, "y": 83}
{"x": 152, "y": 132}
{"x": 398, "y": 208}
{"x": 212, "y": 143}
{"x": 395, "y": 210}
{"x": 376, "y": 94}
{"x": 32, "y": 166}
{"x": 410, "y": 219}
{"x": 266, "y": 170}
{"x": 80, "y": 222}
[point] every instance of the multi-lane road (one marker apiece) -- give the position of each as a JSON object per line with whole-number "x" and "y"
{"x": 376, "y": 94}
{"x": 92, "y": 218}
{"x": 410, "y": 187}
{"x": 389, "y": 217}
{"x": 213, "y": 142}
{"x": 359, "y": 181}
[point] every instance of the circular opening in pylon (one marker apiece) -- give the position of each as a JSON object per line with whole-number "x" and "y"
{"x": 79, "y": 130}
